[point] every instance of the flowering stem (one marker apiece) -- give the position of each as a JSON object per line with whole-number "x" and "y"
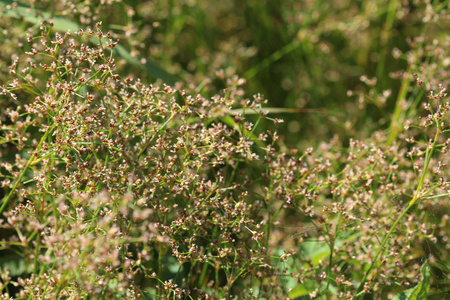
{"x": 417, "y": 196}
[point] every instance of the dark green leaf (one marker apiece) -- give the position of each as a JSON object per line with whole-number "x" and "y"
{"x": 419, "y": 292}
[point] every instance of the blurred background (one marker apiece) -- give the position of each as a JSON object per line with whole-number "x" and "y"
{"x": 336, "y": 67}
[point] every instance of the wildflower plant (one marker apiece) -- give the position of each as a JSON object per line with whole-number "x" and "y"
{"x": 119, "y": 174}
{"x": 114, "y": 188}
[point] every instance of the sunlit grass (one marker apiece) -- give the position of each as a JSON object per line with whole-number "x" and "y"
{"x": 136, "y": 164}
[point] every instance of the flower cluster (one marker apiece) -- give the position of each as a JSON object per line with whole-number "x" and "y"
{"x": 117, "y": 189}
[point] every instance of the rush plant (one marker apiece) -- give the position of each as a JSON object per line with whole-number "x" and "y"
{"x": 113, "y": 188}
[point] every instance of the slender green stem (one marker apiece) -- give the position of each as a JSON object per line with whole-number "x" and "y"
{"x": 332, "y": 245}
{"x": 417, "y": 196}
{"x": 383, "y": 243}
{"x": 396, "y": 117}
{"x": 24, "y": 170}
{"x": 385, "y": 36}
{"x": 36, "y": 254}
{"x": 425, "y": 168}
{"x": 201, "y": 281}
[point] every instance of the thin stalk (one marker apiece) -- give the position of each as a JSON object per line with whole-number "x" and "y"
{"x": 427, "y": 162}
{"x": 38, "y": 246}
{"x": 201, "y": 280}
{"x": 417, "y": 196}
{"x": 24, "y": 170}
{"x": 385, "y": 36}
{"x": 277, "y": 55}
{"x": 396, "y": 117}
{"x": 332, "y": 245}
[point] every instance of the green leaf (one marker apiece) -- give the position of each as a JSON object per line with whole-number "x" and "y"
{"x": 30, "y": 15}
{"x": 315, "y": 251}
{"x": 419, "y": 292}
{"x": 16, "y": 265}
{"x": 302, "y": 290}
{"x": 298, "y": 291}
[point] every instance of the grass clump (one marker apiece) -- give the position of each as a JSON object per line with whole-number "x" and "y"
{"x": 118, "y": 189}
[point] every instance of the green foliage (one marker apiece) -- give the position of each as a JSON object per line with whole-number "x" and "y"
{"x": 420, "y": 292}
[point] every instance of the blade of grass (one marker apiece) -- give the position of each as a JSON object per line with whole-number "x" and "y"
{"x": 277, "y": 55}
{"x": 150, "y": 67}
{"x": 397, "y": 116}
{"x": 30, "y": 14}
{"x": 24, "y": 170}
{"x": 385, "y": 36}
{"x": 281, "y": 110}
